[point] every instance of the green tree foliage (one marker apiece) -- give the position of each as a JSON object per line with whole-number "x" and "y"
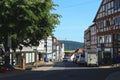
{"x": 27, "y": 21}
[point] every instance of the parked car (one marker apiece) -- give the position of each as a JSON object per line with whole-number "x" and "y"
{"x": 66, "y": 59}
{"x": 81, "y": 59}
{"x": 76, "y": 59}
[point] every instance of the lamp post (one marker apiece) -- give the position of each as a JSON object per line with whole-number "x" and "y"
{"x": 46, "y": 48}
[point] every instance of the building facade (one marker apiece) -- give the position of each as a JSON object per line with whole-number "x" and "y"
{"x": 87, "y": 39}
{"x": 54, "y": 48}
{"x": 61, "y": 51}
{"x": 58, "y": 50}
{"x": 28, "y": 55}
{"x": 93, "y": 39}
{"x": 107, "y": 22}
{"x": 49, "y": 47}
{"x": 41, "y": 49}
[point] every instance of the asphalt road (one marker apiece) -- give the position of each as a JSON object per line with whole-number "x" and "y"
{"x": 65, "y": 71}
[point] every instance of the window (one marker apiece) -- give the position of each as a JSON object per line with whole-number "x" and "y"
{"x": 117, "y": 20}
{"x": 108, "y": 38}
{"x": 116, "y": 4}
{"x": 77, "y": 56}
{"x": 101, "y": 25}
{"x": 118, "y": 36}
{"x": 101, "y": 40}
{"x": 107, "y": 23}
{"x": 106, "y": 8}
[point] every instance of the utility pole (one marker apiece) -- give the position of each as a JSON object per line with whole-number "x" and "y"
{"x": 46, "y": 48}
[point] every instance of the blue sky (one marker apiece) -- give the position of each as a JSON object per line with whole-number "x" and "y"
{"x": 77, "y": 16}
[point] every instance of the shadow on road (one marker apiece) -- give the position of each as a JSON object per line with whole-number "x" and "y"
{"x": 65, "y": 74}
{"x": 62, "y": 71}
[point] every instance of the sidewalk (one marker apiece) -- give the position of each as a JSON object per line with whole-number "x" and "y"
{"x": 19, "y": 71}
{"x": 46, "y": 66}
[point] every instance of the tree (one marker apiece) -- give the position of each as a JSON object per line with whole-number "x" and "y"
{"x": 26, "y": 21}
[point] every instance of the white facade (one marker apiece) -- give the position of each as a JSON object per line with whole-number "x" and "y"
{"x": 49, "y": 47}
{"x": 57, "y": 52}
{"x": 54, "y": 48}
{"x": 41, "y": 47}
{"x": 30, "y": 57}
{"x": 61, "y": 51}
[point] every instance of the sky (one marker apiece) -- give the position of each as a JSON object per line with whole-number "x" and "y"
{"x": 77, "y": 16}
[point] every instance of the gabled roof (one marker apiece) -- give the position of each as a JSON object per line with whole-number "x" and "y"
{"x": 98, "y": 10}
{"x": 80, "y": 50}
{"x": 92, "y": 25}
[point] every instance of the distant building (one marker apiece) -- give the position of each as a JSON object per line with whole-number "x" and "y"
{"x": 41, "y": 50}
{"x": 54, "y": 48}
{"x": 49, "y": 47}
{"x": 61, "y": 51}
{"x": 79, "y": 51}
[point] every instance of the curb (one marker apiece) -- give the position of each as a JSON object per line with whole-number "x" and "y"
{"x": 41, "y": 69}
{"x": 105, "y": 67}
{"x": 45, "y": 67}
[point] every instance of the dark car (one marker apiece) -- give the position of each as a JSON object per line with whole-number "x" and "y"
{"x": 66, "y": 59}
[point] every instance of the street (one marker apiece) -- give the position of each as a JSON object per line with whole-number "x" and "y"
{"x": 64, "y": 71}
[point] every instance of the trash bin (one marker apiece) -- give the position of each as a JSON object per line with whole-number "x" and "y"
{"x": 46, "y": 60}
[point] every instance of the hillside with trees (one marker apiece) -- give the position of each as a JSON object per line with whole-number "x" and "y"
{"x": 72, "y": 45}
